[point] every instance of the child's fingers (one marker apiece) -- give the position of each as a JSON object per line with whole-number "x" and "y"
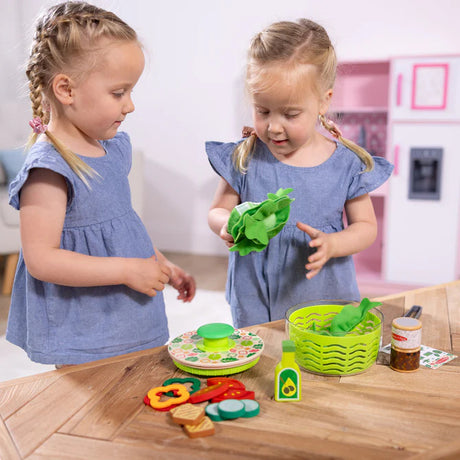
{"x": 164, "y": 278}
{"x": 151, "y": 292}
{"x": 158, "y": 286}
{"x": 315, "y": 257}
{"x": 191, "y": 290}
{"x": 311, "y": 274}
{"x": 309, "y": 230}
{"x": 315, "y": 264}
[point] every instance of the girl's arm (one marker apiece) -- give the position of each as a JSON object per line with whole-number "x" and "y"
{"x": 179, "y": 279}
{"x": 43, "y": 203}
{"x": 357, "y": 236}
{"x": 225, "y": 199}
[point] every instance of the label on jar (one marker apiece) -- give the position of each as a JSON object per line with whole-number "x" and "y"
{"x": 406, "y": 333}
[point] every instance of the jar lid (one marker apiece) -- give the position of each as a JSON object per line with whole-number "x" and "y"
{"x": 407, "y": 324}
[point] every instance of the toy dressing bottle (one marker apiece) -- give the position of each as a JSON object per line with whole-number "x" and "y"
{"x": 287, "y": 375}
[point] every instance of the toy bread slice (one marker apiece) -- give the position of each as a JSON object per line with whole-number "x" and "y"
{"x": 205, "y": 428}
{"x": 187, "y": 414}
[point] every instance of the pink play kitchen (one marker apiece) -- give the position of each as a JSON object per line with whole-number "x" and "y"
{"x": 408, "y": 110}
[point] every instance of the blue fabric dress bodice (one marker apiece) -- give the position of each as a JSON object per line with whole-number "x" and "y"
{"x": 70, "y": 325}
{"x": 262, "y": 286}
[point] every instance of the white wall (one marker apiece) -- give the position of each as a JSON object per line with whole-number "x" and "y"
{"x": 192, "y": 89}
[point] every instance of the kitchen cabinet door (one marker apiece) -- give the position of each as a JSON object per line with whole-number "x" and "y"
{"x": 422, "y": 235}
{"x": 425, "y": 89}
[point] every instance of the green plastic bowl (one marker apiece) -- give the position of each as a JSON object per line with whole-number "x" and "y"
{"x": 329, "y": 355}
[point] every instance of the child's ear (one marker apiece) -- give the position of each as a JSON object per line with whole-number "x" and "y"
{"x": 63, "y": 88}
{"x": 325, "y": 101}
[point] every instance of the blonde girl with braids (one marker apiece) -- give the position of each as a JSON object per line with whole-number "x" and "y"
{"x": 88, "y": 283}
{"x": 290, "y": 79}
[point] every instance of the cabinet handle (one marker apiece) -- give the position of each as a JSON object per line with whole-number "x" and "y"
{"x": 396, "y": 160}
{"x": 399, "y": 89}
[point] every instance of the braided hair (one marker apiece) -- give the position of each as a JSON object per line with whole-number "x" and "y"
{"x": 66, "y": 39}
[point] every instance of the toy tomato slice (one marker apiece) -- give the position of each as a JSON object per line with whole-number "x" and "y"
{"x": 233, "y": 393}
{"x": 232, "y": 383}
{"x": 209, "y": 392}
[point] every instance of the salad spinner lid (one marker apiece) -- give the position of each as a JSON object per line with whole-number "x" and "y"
{"x": 216, "y": 346}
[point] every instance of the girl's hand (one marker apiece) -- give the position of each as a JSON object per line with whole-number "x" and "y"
{"x": 323, "y": 242}
{"x": 147, "y": 275}
{"x": 228, "y": 239}
{"x": 183, "y": 282}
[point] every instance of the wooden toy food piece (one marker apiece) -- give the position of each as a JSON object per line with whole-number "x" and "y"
{"x": 187, "y": 414}
{"x": 195, "y": 384}
{"x": 232, "y": 383}
{"x": 204, "y": 428}
{"x": 212, "y": 412}
{"x": 181, "y": 395}
{"x": 251, "y": 408}
{"x": 207, "y": 393}
{"x": 231, "y": 408}
{"x": 233, "y": 393}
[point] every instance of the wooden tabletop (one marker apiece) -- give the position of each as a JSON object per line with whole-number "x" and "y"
{"x": 96, "y": 410}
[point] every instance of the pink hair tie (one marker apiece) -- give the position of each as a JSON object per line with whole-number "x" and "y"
{"x": 37, "y": 125}
{"x": 335, "y": 130}
{"x": 330, "y": 126}
{"x": 248, "y": 131}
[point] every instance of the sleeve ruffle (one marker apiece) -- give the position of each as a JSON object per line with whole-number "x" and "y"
{"x": 365, "y": 182}
{"x": 46, "y": 162}
{"x": 220, "y": 157}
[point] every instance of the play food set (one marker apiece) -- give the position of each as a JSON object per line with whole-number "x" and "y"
{"x": 216, "y": 349}
{"x": 287, "y": 375}
{"x": 341, "y": 331}
{"x": 327, "y": 354}
{"x": 184, "y": 411}
{"x": 252, "y": 225}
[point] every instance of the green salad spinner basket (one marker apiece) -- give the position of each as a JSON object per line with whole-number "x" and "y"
{"x": 332, "y": 355}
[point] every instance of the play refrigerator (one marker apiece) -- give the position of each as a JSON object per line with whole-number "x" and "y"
{"x": 422, "y": 218}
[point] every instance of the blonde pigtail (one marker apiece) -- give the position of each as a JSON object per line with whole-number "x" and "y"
{"x": 243, "y": 152}
{"x": 78, "y": 166}
{"x": 363, "y": 154}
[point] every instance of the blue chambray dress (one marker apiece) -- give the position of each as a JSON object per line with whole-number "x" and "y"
{"x": 261, "y": 286}
{"x": 70, "y": 325}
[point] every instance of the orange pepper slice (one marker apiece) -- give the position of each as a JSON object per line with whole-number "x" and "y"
{"x": 181, "y": 395}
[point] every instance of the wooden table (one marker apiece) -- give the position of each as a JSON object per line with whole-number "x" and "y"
{"x": 96, "y": 410}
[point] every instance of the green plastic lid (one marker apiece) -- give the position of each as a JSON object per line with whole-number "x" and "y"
{"x": 288, "y": 346}
{"x": 215, "y": 330}
{"x": 215, "y": 337}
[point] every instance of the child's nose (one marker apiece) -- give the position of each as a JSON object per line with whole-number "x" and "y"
{"x": 275, "y": 127}
{"x": 129, "y": 106}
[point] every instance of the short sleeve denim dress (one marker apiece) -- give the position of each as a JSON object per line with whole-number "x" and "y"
{"x": 261, "y": 286}
{"x": 70, "y": 325}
